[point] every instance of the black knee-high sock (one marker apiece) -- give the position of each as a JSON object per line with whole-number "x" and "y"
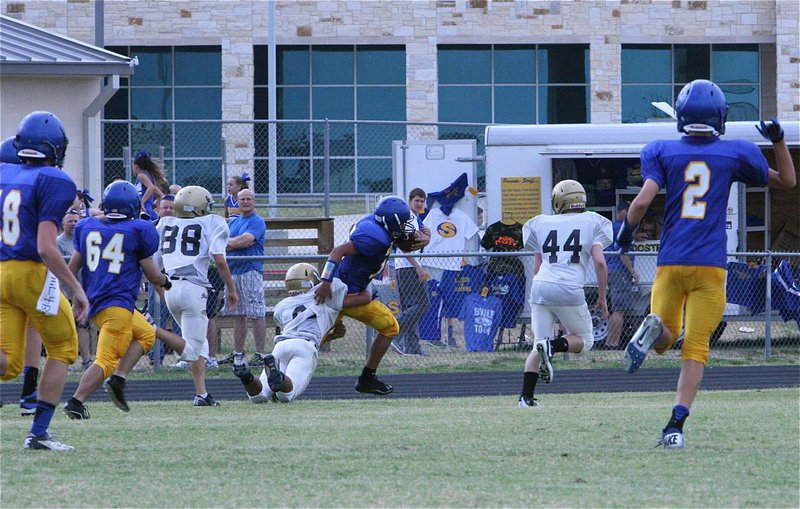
{"x": 559, "y": 344}
{"x": 529, "y": 379}
{"x": 30, "y": 380}
{"x": 367, "y": 374}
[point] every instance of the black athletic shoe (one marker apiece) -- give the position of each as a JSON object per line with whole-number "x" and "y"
{"x": 274, "y": 375}
{"x": 45, "y": 443}
{"x": 373, "y": 386}
{"x": 207, "y": 401}
{"x": 115, "y": 387}
{"x": 76, "y": 410}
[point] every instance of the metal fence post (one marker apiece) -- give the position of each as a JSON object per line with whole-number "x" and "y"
{"x": 326, "y": 187}
{"x": 768, "y": 312}
{"x": 155, "y": 313}
{"x": 126, "y": 162}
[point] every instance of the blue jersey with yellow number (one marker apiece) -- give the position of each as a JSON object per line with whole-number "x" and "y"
{"x": 30, "y": 195}
{"x": 374, "y": 245}
{"x": 111, "y": 251}
{"x": 698, "y": 172}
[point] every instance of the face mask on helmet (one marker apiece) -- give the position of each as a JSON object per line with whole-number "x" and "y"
{"x": 568, "y": 195}
{"x": 193, "y": 201}
{"x": 300, "y": 278}
{"x": 121, "y": 200}
{"x": 41, "y": 136}
{"x": 394, "y": 215}
{"x": 701, "y": 107}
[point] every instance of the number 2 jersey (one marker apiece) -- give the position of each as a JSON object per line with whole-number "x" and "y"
{"x": 565, "y": 242}
{"x": 111, "y": 250}
{"x": 187, "y": 245}
{"x": 30, "y": 195}
{"x": 698, "y": 172}
{"x": 301, "y": 317}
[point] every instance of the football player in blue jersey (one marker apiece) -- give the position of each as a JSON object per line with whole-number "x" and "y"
{"x": 34, "y": 196}
{"x": 112, "y": 252}
{"x": 33, "y": 342}
{"x": 357, "y": 262}
{"x": 697, "y": 172}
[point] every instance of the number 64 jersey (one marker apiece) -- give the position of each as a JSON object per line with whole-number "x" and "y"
{"x": 565, "y": 242}
{"x": 187, "y": 245}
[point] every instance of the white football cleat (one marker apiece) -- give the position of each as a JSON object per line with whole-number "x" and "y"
{"x": 545, "y": 364}
{"x": 641, "y": 342}
{"x": 672, "y": 440}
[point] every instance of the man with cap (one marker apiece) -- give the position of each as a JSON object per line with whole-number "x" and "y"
{"x": 621, "y": 278}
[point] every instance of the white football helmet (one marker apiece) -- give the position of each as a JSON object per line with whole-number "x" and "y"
{"x": 568, "y": 195}
{"x": 301, "y": 277}
{"x": 193, "y": 201}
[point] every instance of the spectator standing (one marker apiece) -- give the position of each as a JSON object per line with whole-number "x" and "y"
{"x": 697, "y": 172}
{"x": 149, "y": 181}
{"x": 564, "y": 244}
{"x": 248, "y": 233}
{"x": 622, "y": 279}
{"x": 234, "y": 186}
{"x": 412, "y": 282}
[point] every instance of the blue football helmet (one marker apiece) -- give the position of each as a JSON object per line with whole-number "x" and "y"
{"x": 121, "y": 200}
{"x": 41, "y": 135}
{"x": 8, "y": 154}
{"x": 395, "y": 216}
{"x": 701, "y": 107}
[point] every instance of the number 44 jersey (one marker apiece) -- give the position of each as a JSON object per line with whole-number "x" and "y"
{"x": 187, "y": 245}
{"x": 565, "y": 242}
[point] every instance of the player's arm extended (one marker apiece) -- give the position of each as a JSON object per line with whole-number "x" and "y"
{"x": 357, "y": 299}
{"x": 47, "y": 247}
{"x": 785, "y": 177}
{"x": 635, "y": 214}
{"x": 323, "y": 291}
{"x": 601, "y": 270}
{"x": 159, "y": 279}
{"x": 225, "y": 273}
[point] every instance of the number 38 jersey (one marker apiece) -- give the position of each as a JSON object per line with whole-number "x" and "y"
{"x": 565, "y": 242}
{"x": 187, "y": 245}
{"x": 110, "y": 250}
{"x": 301, "y": 317}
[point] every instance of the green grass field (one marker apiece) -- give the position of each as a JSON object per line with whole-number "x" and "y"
{"x": 575, "y": 450}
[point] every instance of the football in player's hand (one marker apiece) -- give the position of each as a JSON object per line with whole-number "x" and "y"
{"x": 417, "y": 241}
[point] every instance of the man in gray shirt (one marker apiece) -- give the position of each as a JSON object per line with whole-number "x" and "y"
{"x": 64, "y": 242}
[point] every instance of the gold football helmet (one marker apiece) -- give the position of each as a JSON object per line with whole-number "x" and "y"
{"x": 301, "y": 277}
{"x": 193, "y": 201}
{"x": 568, "y": 195}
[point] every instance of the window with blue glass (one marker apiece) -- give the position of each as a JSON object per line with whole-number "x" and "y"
{"x": 170, "y": 83}
{"x": 341, "y": 83}
{"x": 657, "y": 72}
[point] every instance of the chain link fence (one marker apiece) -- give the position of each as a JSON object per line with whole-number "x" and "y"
{"x": 462, "y": 312}
{"x": 466, "y": 309}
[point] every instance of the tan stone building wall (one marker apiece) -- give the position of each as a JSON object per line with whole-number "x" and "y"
{"x": 421, "y": 25}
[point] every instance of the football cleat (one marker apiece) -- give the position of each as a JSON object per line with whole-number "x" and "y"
{"x": 211, "y": 363}
{"x": 207, "y": 401}
{"x": 76, "y": 410}
{"x": 27, "y": 404}
{"x": 641, "y": 342}
{"x": 115, "y": 387}
{"x": 527, "y": 403}
{"x": 374, "y": 386}
{"x": 274, "y": 375}
{"x": 545, "y": 364}
{"x": 673, "y": 440}
{"x": 45, "y": 443}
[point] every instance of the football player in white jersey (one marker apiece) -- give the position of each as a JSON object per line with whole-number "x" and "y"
{"x": 187, "y": 242}
{"x": 564, "y": 245}
{"x": 305, "y": 325}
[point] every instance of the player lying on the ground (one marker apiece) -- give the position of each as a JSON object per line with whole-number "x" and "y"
{"x": 305, "y": 325}
{"x": 111, "y": 252}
